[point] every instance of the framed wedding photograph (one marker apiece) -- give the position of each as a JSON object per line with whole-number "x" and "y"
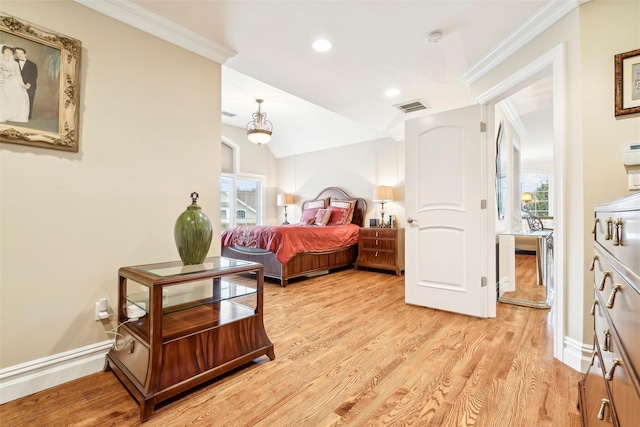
{"x": 39, "y": 86}
{"x": 627, "y": 69}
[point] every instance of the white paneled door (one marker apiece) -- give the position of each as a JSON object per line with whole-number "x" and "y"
{"x": 450, "y": 261}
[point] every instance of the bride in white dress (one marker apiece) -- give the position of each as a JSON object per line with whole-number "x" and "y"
{"x": 14, "y": 100}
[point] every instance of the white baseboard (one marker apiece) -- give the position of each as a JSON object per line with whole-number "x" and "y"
{"x": 576, "y": 354}
{"x": 40, "y": 374}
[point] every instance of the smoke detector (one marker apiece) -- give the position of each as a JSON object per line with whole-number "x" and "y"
{"x": 434, "y": 37}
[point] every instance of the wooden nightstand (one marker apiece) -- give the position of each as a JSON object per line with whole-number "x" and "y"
{"x": 381, "y": 248}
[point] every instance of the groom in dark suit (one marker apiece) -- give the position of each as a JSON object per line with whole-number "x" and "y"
{"x": 29, "y": 72}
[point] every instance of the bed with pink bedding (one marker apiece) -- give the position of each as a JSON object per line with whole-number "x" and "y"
{"x": 303, "y": 249}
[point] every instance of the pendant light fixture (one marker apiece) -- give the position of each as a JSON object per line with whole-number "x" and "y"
{"x": 259, "y": 129}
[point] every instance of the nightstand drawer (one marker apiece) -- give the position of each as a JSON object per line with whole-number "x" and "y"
{"x": 379, "y": 233}
{"x": 378, "y": 258}
{"x": 379, "y": 244}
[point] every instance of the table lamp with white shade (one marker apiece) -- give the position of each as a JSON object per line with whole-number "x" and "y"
{"x": 285, "y": 200}
{"x": 383, "y": 194}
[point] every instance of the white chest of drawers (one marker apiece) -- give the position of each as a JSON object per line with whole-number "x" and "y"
{"x": 610, "y": 390}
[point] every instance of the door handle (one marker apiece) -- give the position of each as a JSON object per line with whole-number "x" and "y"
{"x": 410, "y": 220}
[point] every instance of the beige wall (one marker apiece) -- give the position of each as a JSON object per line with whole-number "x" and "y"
{"x": 356, "y": 168}
{"x": 607, "y": 28}
{"x": 591, "y": 36}
{"x": 149, "y": 136}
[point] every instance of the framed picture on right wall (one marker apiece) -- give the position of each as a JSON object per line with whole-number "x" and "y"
{"x": 627, "y": 81}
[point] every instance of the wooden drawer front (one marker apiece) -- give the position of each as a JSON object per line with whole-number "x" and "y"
{"x": 604, "y": 333}
{"x": 623, "y": 316}
{"x": 625, "y": 399}
{"x": 373, "y": 257}
{"x": 378, "y": 244}
{"x": 593, "y": 393}
{"x": 627, "y": 251}
{"x": 378, "y": 233}
{"x": 187, "y": 357}
{"x": 133, "y": 354}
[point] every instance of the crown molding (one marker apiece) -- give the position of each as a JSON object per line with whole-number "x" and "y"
{"x": 551, "y": 13}
{"x": 140, "y": 18}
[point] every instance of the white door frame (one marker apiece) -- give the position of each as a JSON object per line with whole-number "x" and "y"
{"x": 554, "y": 61}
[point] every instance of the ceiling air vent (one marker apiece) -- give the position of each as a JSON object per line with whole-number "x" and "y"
{"x": 410, "y": 107}
{"x": 228, "y": 114}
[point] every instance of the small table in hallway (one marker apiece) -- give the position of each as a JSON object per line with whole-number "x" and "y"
{"x": 543, "y": 252}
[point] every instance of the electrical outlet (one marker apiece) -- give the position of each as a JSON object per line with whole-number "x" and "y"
{"x": 101, "y": 309}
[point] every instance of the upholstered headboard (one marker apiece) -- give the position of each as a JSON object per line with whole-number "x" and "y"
{"x": 359, "y": 211}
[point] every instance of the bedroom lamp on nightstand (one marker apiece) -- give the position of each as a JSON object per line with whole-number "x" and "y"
{"x": 285, "y": 200}
{"x": 383, "y": 194}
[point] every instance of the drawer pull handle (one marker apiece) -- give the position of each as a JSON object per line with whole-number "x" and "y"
{"x": 604, "y": 279}
{"x": 609, "y": 375}
{"x": 376, "y": 236}
{"x": 617, "y": 235}
{"x": 612, "y": 297}
{"x": 593, "y": 263}
{"x": 603, "y": 406}
{"x": 376, "y": 253}
{"x": 132, "y": 346}
{"x": 595, "y": 223}
{"x": 607, "y": 341}
{"x": 607, "y": 235}
{"x": 376, "y": 242}
{"x": 593, "y": 307}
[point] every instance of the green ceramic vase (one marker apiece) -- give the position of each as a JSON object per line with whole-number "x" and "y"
{"x": 193, "y": 233}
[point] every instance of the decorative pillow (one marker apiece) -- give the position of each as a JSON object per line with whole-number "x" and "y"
{"x": 308, "y": 216}
{"x": 339, "y": 216}
{"x": 318, "y": 204}
{"x": 345, "y": 204}
{"x": 322, "y": 217}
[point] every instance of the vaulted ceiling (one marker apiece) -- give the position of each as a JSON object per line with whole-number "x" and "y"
{"x": 318, "y": 100}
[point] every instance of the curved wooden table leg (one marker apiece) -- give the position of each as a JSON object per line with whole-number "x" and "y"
{"x": 146, "y": 408}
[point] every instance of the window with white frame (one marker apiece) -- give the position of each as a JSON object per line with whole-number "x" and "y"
{"x": 241, "y": 194}
{"x": 241, "y": 202}
{"x": 539, "y": 185}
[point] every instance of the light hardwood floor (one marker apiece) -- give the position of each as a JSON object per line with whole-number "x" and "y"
{"x": 350, "y": 352}
{"x": 526, "y": 280}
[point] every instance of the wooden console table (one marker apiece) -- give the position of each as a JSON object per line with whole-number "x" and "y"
{"x": 199, "y": 322}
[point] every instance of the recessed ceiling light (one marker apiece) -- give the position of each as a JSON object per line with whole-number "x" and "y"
{"x": 322, "y": 45}
{"x": 392, "y": 92}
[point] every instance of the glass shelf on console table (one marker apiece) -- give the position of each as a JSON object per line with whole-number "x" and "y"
{"x": 186, "y": 324}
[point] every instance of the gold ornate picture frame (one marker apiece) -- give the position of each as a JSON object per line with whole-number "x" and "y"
{"x": 55, "y": 107}
{"x": 627, "y": 80}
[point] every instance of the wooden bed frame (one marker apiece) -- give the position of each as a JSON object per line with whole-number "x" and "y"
{"x": 305, "y": 263}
